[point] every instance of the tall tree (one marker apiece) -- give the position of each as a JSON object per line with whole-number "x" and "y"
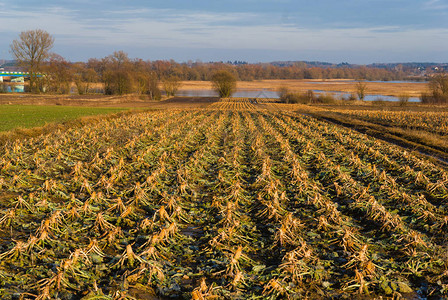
{"x": 30, "y": 50}
{"x": 118, "y": 74}
{"x": 58, "y": 74}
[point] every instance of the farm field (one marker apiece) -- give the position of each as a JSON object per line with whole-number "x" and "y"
{"x": 433, "y": 122}
{"x": 236, "y": 200}
{"x": 419, "y": 128}
{"x": 27, "y": 116}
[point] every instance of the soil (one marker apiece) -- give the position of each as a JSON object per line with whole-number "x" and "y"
{"x": 128, "y": 101}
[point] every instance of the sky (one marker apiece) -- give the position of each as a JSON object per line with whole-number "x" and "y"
{"x": 354, "y": 31}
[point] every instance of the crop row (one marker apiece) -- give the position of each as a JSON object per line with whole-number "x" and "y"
{"x": 434, "y": 122}
{"x": 230, "y": 202}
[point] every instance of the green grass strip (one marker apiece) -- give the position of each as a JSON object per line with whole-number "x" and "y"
{"x": 28, "y": 116}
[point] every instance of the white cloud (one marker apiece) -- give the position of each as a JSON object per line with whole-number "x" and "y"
{"x": 148, "y": 28}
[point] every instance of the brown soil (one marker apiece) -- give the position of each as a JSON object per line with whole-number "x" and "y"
{"x": 186, "y": 102}
{"x": 75, "y": 100}
{"x": 192, "y": 100}
{"x": 128, "y": 101}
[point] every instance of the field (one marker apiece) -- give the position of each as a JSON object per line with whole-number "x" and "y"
{"x": 413, "y": 89}
{"x": 231, "y": 200}
{"x": 420, "y": 128}
{"x": 26, "y": 116}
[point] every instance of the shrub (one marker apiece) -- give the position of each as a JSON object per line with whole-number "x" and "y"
{"x": 303, "y": 98}
{"x": 429, "y": 98}
{"x": 403, "y": 99}
{"x": 82, "y": 87}
{"x": 83, "y": 79}
{"x": 224, "y": 83}
{"x": 282, "y": 91}
{"x": 438, "y": 86}
{"x": 291, "y": 98}
{"x": 379, "y": 101}
{"x": 361, "y": 88}
{"x": 426, "y": 98}
{"x": 148, "y": 84}
{"x": 153, "y": 90}
{"x": 325, "y": 98}
{"x": 309, "y": 96}
{"x": 171, "y": 85}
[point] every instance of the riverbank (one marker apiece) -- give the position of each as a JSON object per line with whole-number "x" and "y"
{"x": 344, "y": 86}
{"x": 413, "y": 89}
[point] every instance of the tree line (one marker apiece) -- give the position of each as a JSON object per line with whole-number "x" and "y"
{"x": 119, "y": 74}
{"x": 122, "y": 75}
{"x": 259, "y": 71}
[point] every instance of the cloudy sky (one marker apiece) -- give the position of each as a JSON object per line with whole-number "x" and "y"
{"x": 354, "y": 31}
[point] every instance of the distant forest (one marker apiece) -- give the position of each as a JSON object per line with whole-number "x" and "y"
{"x": 278, "y": 70}
{"x": 242, "y": 70}
{"x": 120, "y": 74}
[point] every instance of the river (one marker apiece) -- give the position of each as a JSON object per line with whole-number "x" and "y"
{"x": 274, "y": 95}
{"x": 263, "y": 94}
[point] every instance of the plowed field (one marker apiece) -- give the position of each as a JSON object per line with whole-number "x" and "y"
{"x": 230, "y": 202}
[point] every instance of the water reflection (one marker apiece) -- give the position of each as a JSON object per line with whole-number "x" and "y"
{"x": 366, "y": 81}
{"x": 263, "y": 94}
{"x": 368, "y": 97}
{"x": 274, "y": 95}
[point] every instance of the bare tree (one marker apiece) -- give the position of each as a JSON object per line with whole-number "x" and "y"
{"x": 439, "y": 87}
{"x": 84, "y": 77}
{"x": 118, "y": 74}
{"x": 30, "y": 50}
{"x": 361, "y": 88}
{"x": 148, "y": 84}
{"x": 58, "y": 74}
